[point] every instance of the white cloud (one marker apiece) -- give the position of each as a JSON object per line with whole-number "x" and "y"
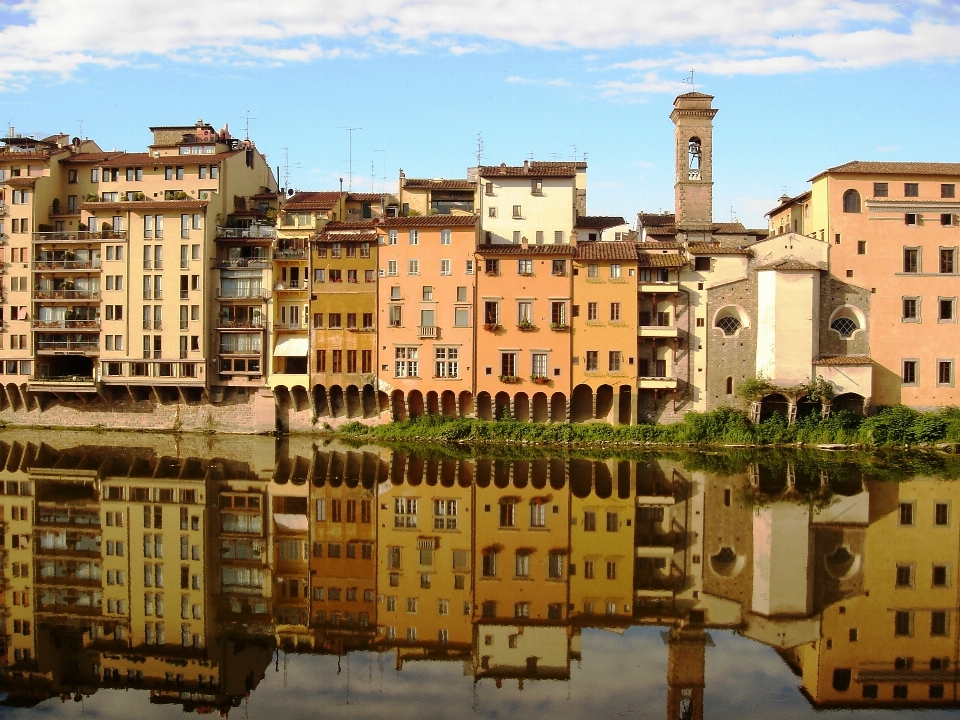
{"x": 741, "y": 36}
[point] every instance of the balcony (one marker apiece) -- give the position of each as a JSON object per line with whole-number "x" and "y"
{"x": 66, "y": 295}
{"x": 68, "y": 346}
{"x": 225, "y": 324}
{"x": 63, "y": 383}
{"x": 3, "y": 209}
{"x": 255, "y": 232}
{"x": 292, "y": 287}
{"x": 50, "y": 265}
{"x": 60, "y": 210}
{"x": 649, "y": 286}
{"x": 291, "y": 327}
{"x": 656, "y": 383}
{"x": 290, "y": 254}
{"x": 255, "y": 262}
{"x": 231, "y": 294}
{"x": 428, "y": 331}
{"x": 657, "y": 331}
{"x": 67, "y": 324}
{"x": 79, "y": 236}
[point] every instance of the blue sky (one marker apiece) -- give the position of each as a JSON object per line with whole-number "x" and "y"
{"x": 801, "y": 84}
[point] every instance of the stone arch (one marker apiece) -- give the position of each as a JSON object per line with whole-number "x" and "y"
{"x": 368, "y": 401}
{"x": 603, "y": 481}
{"x": 558, "y": 408}
{"x": 625, "y": 395}
{"x": 465, "y": 403}
{"x": 521, "y": 407}
{"x": 847, "y": 321}
{"x": 842, "y": 677}
{"x": 541, "y": 408}
{"x": 13, "y": 394}
{"x": 808, "y": 406}
{"x": 501, "y": 405}
{"x": 398, "y": 408}
{"x": 448, "y": 404}
{"x": 581, "y": 478}
{"x": 383, "y": 400}
{"x": 353, "y": 405}
{"x": 484, "y": 406}
{"x": 281, "y": 396}
{"x": 581, "y": 404}
{"x": 521, "y": 473}
{"x": 773, "y": 404}
{"x": 540, "y": 469}
{"x": 604, "y": 402}
{"x": 731, "y": 319}
{"x": 301, "y": 400}
{"x": 727, "y": 563}
{"x": 854, "y": 402}
{"x": 851, "y": 201}
{"x": 432, "y": 402}
{"x": 336, "y": 401}
{"x": 415, "y": 403}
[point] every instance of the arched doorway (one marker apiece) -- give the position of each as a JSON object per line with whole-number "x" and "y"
{"x": 581, "y": 404}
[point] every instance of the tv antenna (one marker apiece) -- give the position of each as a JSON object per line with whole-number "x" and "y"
{"x": 350, "y": 167}
{"x": 383, "y": 158}
{"x": 247, "y": 124}
{"x": 689, "y": 81}
{"x": 479, "y": 148}
{"x": 286, "y": 168}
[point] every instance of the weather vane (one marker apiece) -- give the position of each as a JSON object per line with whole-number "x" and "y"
{"x": 689, "y": 81}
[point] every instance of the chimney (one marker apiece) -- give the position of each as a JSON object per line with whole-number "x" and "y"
{"x": 526, "y": 166}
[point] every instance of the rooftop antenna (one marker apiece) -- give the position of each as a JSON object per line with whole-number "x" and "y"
{"x": 286, "y": 168}
{"x": 575, "y": 152}
{"x": 733, "y": 215}
{"x": 373, "y": 176}
{"x": 248, "y": 119}
{"x": 350, "y": 168}
{"x": 479, "y": 148}
{"x": 81, "y": 128}
{"x": 383, "y": 158}
{"x": 689, "y": 81}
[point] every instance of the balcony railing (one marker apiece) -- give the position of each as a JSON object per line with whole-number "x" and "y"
{"x": 62, "y": 380}
{"x": 80, "y": 236}
{"x": 258, "y": 294}
{"x": 292, "y": 287}
{"x": 256, "y": 262}
{"x": 42, "y": 265}
{"x": 61, "y": 210}
{"x": 68, "y": 345}
{"x": 66, "y": 295}
{"x": 290, "y": 254}
{"x": 428, "y": 331}
{"x": 67, "y": 324}
{"x": 3, "y": 209}
{"x": 254, "y": 232}
{"x": 225, "y": 324}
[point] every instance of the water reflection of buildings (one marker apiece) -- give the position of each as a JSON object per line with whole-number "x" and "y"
{"x": 184, "y": 574}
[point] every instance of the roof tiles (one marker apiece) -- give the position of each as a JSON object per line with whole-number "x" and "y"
{"x": 607, "y": 251}
{"x": 843, "y": 360}
{"x": 439, "y": 184}
{"x": 533, "y": 169}
{"x": 440, "y": 221}
{"x": 322, "y": 200}
{"x": 506, "y": 249}
{"x": 599, "y": 222}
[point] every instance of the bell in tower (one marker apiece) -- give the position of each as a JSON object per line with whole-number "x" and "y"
{"x": 693, "y": 118}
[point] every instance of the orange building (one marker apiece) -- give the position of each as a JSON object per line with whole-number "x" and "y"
{"x": 427, "y": 294}
{"x": 523, "y": 331}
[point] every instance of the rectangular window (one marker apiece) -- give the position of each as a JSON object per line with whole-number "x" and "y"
{"x": 539, "y": 362}
{"x": 593, "y": 360}
{"x": 947, "y": 308}
{"x": 911, "y": 260}
{"x": 861, "y": 247}
{"x": 406, "y": 362}
{"x": 592, "y": 311}
{"x": 911, "y": 309}
{"x": 948, "y": 190}
{"x": 938, "y": 623}
{"x": 615, "y": 271}
{"x": 906, "y": 513}
{"x": 902, "y": 623}
{"x": 614, "y": 312}
{"x": 559, "y": 268}
{"x": 589, "y": 521}
{"x": 944, "y": 372}
{"x": 508, "y": 364}
{"x": 414, "y": 237}
{"x": 904, "y": 576}
{"x": 948, "y": 260}
{"x": 392, "y": 268}
{"x": 881, "y": 189}
{"x": 911, "y": 189}
{"x": 413, "y": 267}
{"x": 445, "y": 267}
{"x": 614, "y": 361}
{"x": 941, "y": 514}
{"x": 909, "y": 372}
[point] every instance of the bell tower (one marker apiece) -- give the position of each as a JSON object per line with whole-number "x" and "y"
{"x": 693, "y": 118}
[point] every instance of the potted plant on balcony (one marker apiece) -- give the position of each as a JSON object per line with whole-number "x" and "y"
{"x": 139, "y": 196}
{"x": 559, "y": 327}
{"x": 526, "y": 326}
{"x": 180, "y": 195}
{"x": 491, "y": 327}
{"x": 510, "y": 379}
{"x": 540, "y": 379}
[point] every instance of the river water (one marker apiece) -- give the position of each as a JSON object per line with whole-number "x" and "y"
{"x": 149, "y": 575}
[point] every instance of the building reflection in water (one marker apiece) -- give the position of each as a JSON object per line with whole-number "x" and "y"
{"x": 184, "y": 571}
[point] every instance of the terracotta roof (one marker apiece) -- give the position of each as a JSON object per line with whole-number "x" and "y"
{"x": 90, "y": 158}
{"x": 788, "y": 264}
{"x": 323, "y": 200}
{"x": 694, "y": 94}
{"x": 365, "y": 197}
{"x": 607, "y": 251}
{"x": 790, "y": 201}
{"x": 24, "y": 181}
{"x": 731, "y": 228}
{"x": 430, "y": 221}
{"x": 659, "y": 245}
{"x": 533, "y": 169}
{"x": 14, "y": 156}
{"x": 707, "y": 249}
{"x": 599, "y": 222}
{"x": 439, "y": 184}
{"x": 350, "y": 225}
{"x": 131, "y": 159}
{"x": 662, "y": 231}
{"x": 759, "y": 232}
{"x": 843, "y": 360}
{"x": 649, "y": 220}
{"x": 265, "y": 196}
{"x": 872, "y": 167}
{"x": 509, "y": 249}
{"x": 145, "y": 205}
{"x": 653, "y": 260}
{"x": 325, "y": 237}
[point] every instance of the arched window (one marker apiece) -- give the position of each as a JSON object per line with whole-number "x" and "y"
{"x": 851, "y": 201}
{"x": 841, "y": 679}
{"x": 694, "y": 156}
{"x": 845, "y": 326}
{"x": 729, "y": 386}
{"x": 729, "y": 324}
{"x": 730, "y": 319}
{"x": 846, "y": 320}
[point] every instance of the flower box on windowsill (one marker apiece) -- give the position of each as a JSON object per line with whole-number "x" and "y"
{"x": 510, "y": 379}
{"x": 525, "y": 274}
{"x": 540, "y": 380}
{"x": 491, "y": 327}
{"x": 526, "y": 326}
{"x": 559, "y": 328}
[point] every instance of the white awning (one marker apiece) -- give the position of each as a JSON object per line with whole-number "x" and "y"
{"x": 292, "y": 347}
{"x": 291, "y": 522}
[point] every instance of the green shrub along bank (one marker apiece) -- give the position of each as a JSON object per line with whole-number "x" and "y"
{"x": 891, "y": 426}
